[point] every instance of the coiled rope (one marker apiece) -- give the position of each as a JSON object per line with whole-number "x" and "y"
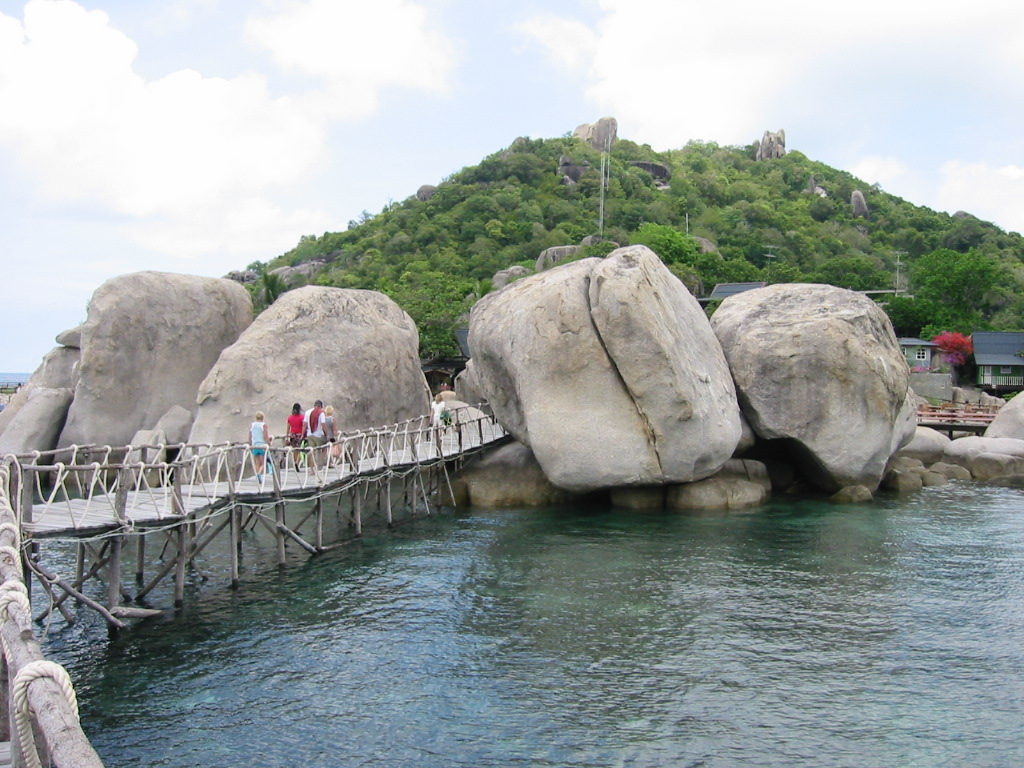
{"x": 28, "y": 674}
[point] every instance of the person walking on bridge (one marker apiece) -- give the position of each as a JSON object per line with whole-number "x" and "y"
{"x": 259, "y": 438}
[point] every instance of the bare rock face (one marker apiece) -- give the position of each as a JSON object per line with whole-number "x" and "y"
{"x": 509, "y": 477}
{"x": 505, "y": 276}
{"x": 820, "y": 368}
{"x": 303, "y": 272}
{"x": 467, "y": 388}
{"x": 56, "y": 371}
{"x": 659, "y": 171}
{"x": 37, "y": 424}
{"x": 741, "y": 483}
{"x": 609, "y": 371}
{"x": 175, "y": 425}
{"x": 928, "y": 445}
{"x": 243, "y": 276}
{"x": 425, "y": 192}
{"x": 858, "y": 204}
{"x": 773, "y": 145}
{"x": 149, "y": 339}
{"x": 1009, "y": 422}
{"x": 966, "y": 450}
{"x": 71, "y": 337}
{"x": 600, "y": 135}
{"x": 570, "y": 170}
{"x": 556, "y": 254}
{"x": 356, "y": 350}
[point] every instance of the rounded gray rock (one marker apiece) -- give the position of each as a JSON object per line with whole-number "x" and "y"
{"x": 356, "y": 350}
{"x": 609, "y": 371}
{"x": 149, "y": 340}
{"x": 820, "y": 367}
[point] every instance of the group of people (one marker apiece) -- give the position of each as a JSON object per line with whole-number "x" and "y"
{"x": 313, "y": 428}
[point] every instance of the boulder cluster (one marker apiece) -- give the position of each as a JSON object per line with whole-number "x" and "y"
{"x": 166, "y": 358}
{"x": 610, "y": 374}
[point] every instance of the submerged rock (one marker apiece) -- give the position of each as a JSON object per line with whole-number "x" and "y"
{"x": 609, "y": 371}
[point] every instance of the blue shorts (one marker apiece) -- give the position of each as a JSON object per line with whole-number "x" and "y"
{"x": 259, "y": 451}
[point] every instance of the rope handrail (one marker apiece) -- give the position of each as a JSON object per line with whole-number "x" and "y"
{"x": 45, "y": 700}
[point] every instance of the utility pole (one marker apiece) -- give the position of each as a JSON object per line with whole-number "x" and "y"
{"x": 606, "y": 174}
{"x": 899, "y": 264}
{"x": 769, "y": 257}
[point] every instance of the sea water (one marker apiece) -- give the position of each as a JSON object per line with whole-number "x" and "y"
{"x": 796, "y": 634}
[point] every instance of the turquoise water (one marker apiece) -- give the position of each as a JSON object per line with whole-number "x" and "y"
{"x": 800, "y": 634}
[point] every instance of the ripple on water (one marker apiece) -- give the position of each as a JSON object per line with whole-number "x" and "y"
{"x": 801, "y": 634}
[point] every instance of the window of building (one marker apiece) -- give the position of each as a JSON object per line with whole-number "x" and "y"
{"x": 922, "y": 353}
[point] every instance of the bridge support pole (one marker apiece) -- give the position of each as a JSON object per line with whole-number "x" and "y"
{"x": 140, "y": 559}
{"x": 179, "y": 566}
{"x": 357, "y": 513}
{"x": 114, "y": 573}
{"x": 387, "y": 498}
{"x": 236, "y": 544}
{"x": 319, "y": 507}
{"x": 279, "y": 534}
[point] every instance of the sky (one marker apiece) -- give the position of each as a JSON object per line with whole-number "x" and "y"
{"x": 198, "y": 136}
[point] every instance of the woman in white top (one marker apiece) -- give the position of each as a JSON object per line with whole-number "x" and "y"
{"x": 259, "y": 438}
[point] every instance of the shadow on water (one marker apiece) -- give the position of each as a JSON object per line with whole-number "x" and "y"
{"x": 797, "y": 634}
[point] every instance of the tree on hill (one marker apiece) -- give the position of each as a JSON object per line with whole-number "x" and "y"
{"x": 434, "y": 256}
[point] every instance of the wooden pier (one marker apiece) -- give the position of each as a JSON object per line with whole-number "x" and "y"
{"x": 956, "y": 417}
{"x": 105, "y": 499}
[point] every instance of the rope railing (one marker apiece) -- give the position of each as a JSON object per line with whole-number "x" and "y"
{"x": 42, "y": 701}
{"x": 94, "y": 486}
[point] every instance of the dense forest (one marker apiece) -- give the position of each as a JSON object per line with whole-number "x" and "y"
{"x": 713, "y": 213}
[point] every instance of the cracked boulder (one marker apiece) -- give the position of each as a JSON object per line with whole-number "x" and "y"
{"x": 818, "y": 370}
{"x": 609, "y": 371}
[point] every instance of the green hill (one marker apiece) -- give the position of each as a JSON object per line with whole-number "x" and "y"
{"x": 722, "y": 217}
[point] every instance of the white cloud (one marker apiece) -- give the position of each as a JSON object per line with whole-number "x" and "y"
{"x": 990, "y": 193}
{"x": 190, "y": 163}
{"x": 880, "y": 170}
{"x": 671, "y": 70}
{"x": 571, "y": 43}
{"x": 356, "y": 48}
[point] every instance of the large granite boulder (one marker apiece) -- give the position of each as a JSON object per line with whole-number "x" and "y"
{"x": 966, "y": 451}
{"x": 609, "y": 371}
{"x": 300, "y": 273}
{"x": 38, "y": 422}
{"x": 56, "y": 371}
{"x": 467, "y": 387}
{"x": 508, "y": 275}
{"x": 356, "y": 350}
{"x": 1009, "y": 421}
{"x": 928, "y": 445}
{"x": 149, "y": 340}
{"x": 741, "y": 483}
{"x": 508, "y": 476}
{"x": 556, "y": 254}
{"x": 600, "y": 135}
{"x": 858, "y": 205}
{"x": 771, "y": 146}
{"x": 819, "y": 368}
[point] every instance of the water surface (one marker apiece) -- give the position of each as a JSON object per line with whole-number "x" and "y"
{"x": 800, "y": 634}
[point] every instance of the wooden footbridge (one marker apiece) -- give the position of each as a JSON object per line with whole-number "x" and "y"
{"x": 104, "y": 499}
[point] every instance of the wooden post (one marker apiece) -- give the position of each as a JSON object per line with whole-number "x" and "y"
{"x": 357, "y": 513}
{"x": 140, "y": 559}
{"x": 426, "y": 503}
{"x": 388, "y": 515}
{"x": 114, "y": 573}
{"x": 179, "y": 565}
{"x": 279, "y": 534}
{"x": 236, "y": 543}
{"x": 318, "y": 505}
